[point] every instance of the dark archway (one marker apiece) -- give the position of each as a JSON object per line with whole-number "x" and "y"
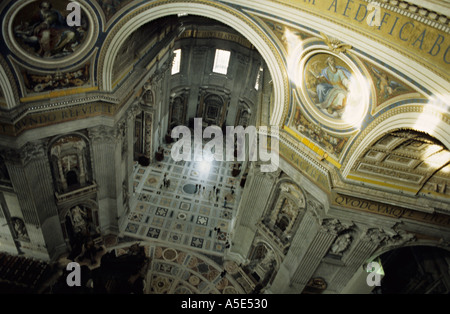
{"x": 72, "y": 178}
{"x": 415, "y": 270}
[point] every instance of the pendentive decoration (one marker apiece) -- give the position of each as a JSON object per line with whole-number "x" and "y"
{"x": 44, "y": 33}
{"x": 333, "y": 89}
{"x": 331, "y": 86}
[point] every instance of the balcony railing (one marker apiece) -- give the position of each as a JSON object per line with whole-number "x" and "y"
{"x": 82, "y": 191}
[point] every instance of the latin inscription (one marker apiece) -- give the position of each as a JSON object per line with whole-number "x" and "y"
{"x": 390, "y": 210}
{"x": 42, "y": 119}
{"x": 392, "y": 27}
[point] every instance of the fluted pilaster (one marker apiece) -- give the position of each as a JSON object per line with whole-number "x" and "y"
{"x": 30, "y": 174}
{"x": 311, "y": 260}
{"x": 253, "y": 203}
{"x": 104, "y": 144}
{"x": 359, "y": 255}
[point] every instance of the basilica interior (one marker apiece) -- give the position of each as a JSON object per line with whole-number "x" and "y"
{"x": 349, "y": 189}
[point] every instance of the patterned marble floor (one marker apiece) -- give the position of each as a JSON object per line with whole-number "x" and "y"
{"x": 178, "y": 215}
{"x": 175, "y": 271}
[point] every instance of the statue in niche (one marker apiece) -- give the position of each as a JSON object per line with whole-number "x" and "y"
{"x": 19, "y": 228}
{"x": 267, "y": 262}
{"x": 78, "y": 219}
{"x": 244, "y": 118}
{"x": 286, "y": 215}
{"x": 262, "y": 263}
{"x": 341, "y": 244}
{"x": 148, "y": 98}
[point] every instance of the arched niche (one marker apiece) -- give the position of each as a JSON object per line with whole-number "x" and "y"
{"x": 70, "y": 162}
{"x": 178, "y": 109}
{"x": 285, "y": 211}
{"x": 263, "y": 264}
{"x": 244, "y": 114}
{"x": 414, "y": 269}
{"x": 80, "y": 225}
{"x": 20, "y": 229}
{"x": 214, "y": 109}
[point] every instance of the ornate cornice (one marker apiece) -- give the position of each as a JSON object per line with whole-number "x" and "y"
{"x": 421, "y": 14}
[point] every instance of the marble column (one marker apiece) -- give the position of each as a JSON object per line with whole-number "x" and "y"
{"x": 253, "y": 202}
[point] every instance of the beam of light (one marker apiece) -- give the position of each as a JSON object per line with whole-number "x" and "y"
{"x": 446, "y": 169}
{"x": 294, "y": 47}
{"x": 439, "y": 158}
{"x": 204, "y": 166}
{"x": 430, "y": 118}
{"x": 357, "y": 101}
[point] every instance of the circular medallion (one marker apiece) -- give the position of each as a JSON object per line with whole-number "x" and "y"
{"x": 51, "y": 33}
{"x": 193, "y": 262}
{"x": 181, "y": 216}
{"x": 333, "y": 89}
{"x": 231, "y": 267}
{"x": 194, "y": 280}
{"x": 169, "y": 254}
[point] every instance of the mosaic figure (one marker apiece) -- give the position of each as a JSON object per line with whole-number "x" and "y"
{"x": 332, "y": 86}
{"x": 44, "y": 31}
